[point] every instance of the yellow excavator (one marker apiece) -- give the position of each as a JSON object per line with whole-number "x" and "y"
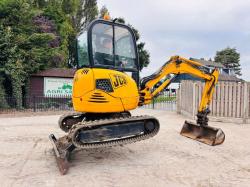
{"x": 106, "y": 87}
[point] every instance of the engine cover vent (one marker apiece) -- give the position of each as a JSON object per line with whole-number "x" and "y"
{"x": 98, "y": 98}
{"x": 104, "y": 84}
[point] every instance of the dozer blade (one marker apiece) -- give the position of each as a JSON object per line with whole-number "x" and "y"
{"x": 62, "y": 155}
{"x": 205, "y": 134}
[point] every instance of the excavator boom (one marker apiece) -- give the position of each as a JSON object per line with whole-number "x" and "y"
{"x": 176, "y": 66}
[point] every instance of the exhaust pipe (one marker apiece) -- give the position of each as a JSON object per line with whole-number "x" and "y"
{"x": 203, "y": 133}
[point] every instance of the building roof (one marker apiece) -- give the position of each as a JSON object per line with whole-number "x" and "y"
{"x": 69, "y": 73}
{"x": 231, "y": 78}
{"x": 222, "y": 77}
{"x": 56, "y": 72}
{"x": 208, "y": 63}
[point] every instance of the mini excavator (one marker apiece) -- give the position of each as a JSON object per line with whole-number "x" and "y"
{"x": 106, "y": 87}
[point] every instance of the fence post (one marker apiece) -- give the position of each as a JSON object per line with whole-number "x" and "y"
{"x": 153, "y": 103}
{"x": 34, "y": 103}
{"x": 194, "y": 100}
{"x": 245, "y": 102}
{"x": 178, "y": 100}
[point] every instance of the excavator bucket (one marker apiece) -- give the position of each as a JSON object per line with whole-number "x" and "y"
{"x": 205, "y": 134}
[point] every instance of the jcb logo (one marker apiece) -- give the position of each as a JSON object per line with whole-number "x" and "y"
{"x": 118, "y": 80}
{"x": 85, "y": 71}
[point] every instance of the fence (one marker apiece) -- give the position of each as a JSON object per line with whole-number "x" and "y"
{"x": 165, "y": 101}
{"x": 37, "y": 103}
{"x": 230, "y": 102}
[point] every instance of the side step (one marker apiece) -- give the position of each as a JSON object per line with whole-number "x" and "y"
{"x": 205, "y": 134}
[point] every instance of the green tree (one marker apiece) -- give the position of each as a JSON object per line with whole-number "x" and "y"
{"x": 230, "y": 58}
{"x": 14, "y": 21}
{"x": 80, "y": 16}
{"x": 5, "y": 44}
{"x": 144, "y": 56}
{"x": 33, "y": 37}
{"x": 103, "y": 11}
{"x": 11, "y": 66}
{"x": 69, "y": 7}
{"x": 3, "y": 101}
{"x": 85, "y": 12}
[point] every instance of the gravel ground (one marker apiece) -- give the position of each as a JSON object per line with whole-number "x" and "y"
{"x": 168, "y": 159}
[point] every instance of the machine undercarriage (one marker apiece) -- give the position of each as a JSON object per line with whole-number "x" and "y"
{"x": 115, "y": 129}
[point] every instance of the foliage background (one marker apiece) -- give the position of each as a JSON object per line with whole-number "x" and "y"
{"x": 230, "y": 58}
{"x": 40, "y": 34}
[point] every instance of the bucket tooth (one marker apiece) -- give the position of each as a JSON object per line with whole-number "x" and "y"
{"x": 205, "y": 134}
{"x": 61, "y": 155}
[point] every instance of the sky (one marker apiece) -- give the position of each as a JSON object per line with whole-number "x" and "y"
{"x": 188, "y": 28}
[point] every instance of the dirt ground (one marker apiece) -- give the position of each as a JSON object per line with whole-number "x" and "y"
{"x": 168, "y": 159}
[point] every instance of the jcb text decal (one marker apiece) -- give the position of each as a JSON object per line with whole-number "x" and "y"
{"x": 118, "y": 80}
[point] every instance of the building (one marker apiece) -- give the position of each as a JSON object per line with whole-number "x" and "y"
{"x": 52, "y": 82}
{"x": 226, "y": 74}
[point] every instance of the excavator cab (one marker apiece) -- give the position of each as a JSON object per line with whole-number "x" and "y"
{"x": 108, "y": 45}
{"x": 107, "y": 66}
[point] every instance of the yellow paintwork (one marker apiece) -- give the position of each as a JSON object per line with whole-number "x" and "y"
{"x": 83, "y": 82}
{"x": 124, "y": 97}
{"x": 179, "y": 65}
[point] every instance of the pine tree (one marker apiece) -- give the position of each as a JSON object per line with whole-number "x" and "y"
{"x": 230, "y": 58}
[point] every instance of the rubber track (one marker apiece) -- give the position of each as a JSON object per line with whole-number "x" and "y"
{"x": 78, "y": 126}
{"x": 60, "y": 124}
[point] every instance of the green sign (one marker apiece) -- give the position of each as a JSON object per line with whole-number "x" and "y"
{"x": 57, "y": 86}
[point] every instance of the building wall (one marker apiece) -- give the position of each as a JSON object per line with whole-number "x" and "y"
{"x": 36, "y": 86}
{"x": 181, "y": 77}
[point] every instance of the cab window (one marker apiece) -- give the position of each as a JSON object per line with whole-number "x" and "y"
{"x": 82, "y": 50}
{"x": 113, "y": 46}
{"x": 102, "y": 44}
{"x": 124, "y": 48}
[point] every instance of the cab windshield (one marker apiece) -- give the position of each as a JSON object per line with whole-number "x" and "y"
{"x": 113, "y": 46}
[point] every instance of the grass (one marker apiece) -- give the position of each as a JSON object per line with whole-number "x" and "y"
{"x": 161, "y": 99}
